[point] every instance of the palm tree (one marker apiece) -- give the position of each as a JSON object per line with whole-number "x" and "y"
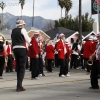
{"x": 61, "y": 4}
{"x": 80, "y": 21}
{"x": 2, "y": 6}
{"x": 67, "y": 6}
{"x": 22, "y": 3}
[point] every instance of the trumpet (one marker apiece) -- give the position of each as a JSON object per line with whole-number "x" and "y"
{"x": 91, "y": 58}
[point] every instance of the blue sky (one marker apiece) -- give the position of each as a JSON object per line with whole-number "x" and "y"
{"x": 48, "y": 9}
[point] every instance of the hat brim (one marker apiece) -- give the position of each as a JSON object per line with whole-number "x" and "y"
{"x": 20, "y": 24}
{"x": 36, "y": 33}
{"x": 62, "y": 35}
{"x": 1, "y": 40}
{"x": 90, "y": 39}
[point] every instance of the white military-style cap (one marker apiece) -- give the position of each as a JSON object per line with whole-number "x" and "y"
{"x": 20, "y": 22}
{"x": 62, "y": 34}
{"x": 91, "y": 38}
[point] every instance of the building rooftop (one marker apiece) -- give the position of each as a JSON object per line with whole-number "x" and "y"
{"x": 52, "y": 33}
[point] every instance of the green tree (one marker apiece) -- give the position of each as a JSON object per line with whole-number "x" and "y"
{"x": 75, "y": 28}
{"x": 56, "y": 23}
{"x": 87, "y": 22}
{"x": 73, "y": 23}
{"x": 2, "y": 6}
{"x": 62, "y": 22}
{"x": 22, "y": 3}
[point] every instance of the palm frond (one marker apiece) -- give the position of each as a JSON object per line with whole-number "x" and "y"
{"x": 22, "y": 3}
{"x": 61, "y": 3}
{"x": 2, "y": 5}
{"x": 67, "y": 5}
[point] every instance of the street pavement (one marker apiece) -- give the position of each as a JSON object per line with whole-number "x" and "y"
{"x": 50, "y": 87}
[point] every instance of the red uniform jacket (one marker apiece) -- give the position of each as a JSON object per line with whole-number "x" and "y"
{"x": 49, "y": 52}
{"x": 33, "y": 49}
{"x": 88, "y": 49}
{"x": 60, "y": 49}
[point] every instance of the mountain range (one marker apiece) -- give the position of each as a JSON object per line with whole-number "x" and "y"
{"x": 9, "y": 20}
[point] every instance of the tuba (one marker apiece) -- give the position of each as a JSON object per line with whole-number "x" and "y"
{"x": 91, "y": 59}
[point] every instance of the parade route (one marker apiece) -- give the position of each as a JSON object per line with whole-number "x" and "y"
{"x": 50, "y": 87}
{"x": 9, "y": 79}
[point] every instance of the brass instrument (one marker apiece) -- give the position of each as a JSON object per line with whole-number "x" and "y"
{"x": 91, "y": 58}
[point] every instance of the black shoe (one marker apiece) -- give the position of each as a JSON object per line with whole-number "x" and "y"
{"x": 83, "y": 68}
{"x": 1, "y": 77}
{"x": 43, "y": 75}
{"x": 11, "y": 71}
{"x": 70, "y": 67}
{"x": 20, "y": 89}
{"x": 7, "y": 71}
{"x": 93, "y": 87}
{"x": 59, "y": 74}
{"x": 23, "y": 89}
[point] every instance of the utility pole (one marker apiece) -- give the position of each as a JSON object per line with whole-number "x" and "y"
{"x": 98, "y": 15}
{"x": 33, "y": 15}
{"x": 80, "y": 21}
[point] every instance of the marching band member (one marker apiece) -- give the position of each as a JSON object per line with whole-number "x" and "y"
{"x": 94, "y": 43}
{"x": 74, "y": 56}
{"x": 19, "y": 36}
{"x": 95, "y": 68}
{"x": 34, "y": 55}
{"x": 56, "y": 60}
{"x": 40, "y": 45}
{"x": 88, "y": 51}
{"x": 81, "y": 56}
{"x": 3, "y": 53}
{"x": 44, "y": 54}
{"x": 67, "y": 58}
{"x": 61, "y": 48}
{"x": 9, "y": 52}
{"x": 49, "y": 55}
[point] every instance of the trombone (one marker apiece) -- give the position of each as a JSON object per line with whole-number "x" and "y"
{"x": 91, "y": 58}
